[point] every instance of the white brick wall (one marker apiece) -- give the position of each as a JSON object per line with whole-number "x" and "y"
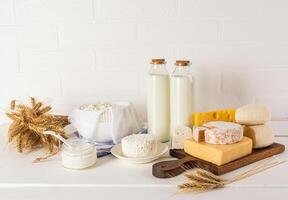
{"x": 177, "y": 33}
{"x": 6, "y": 12}
{"x": 219, "y": 8}
{"x": 58, "y": 61}
{"x": 29, "y": 36}
{"x": 136, "y": 9}
{"x": 70, "y": 52}
{"x": 50, "y": 10}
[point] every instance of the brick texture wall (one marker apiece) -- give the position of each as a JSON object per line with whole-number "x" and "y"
{"x": 69, "y": 52}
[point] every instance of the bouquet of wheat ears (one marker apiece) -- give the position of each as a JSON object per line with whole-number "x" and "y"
{"x": 29, "y": 124}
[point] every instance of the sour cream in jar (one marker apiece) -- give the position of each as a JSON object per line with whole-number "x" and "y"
{"x": 79, "y": 154}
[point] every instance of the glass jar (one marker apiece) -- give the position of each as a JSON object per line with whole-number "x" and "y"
{"x": 79, "y": 155}
{"x": 158, "y": 100}
{"x": 181, "y": 98}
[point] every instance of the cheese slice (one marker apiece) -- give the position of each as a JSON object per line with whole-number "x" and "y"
{"x": 181, "y": 134}
{"x": 261, "y": 135}
{"x": 218, "y": 154}
{"x": 252, "y": 114}
{"x": 201, "y": 118}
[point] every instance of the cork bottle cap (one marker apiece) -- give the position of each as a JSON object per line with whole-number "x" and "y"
{"x": 158, "y": 61}
{"x": 182, "y": 62}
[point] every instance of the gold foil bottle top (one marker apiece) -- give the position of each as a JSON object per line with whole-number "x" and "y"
{"x": 158, "y": 61}
{"x": 182, "y": 63}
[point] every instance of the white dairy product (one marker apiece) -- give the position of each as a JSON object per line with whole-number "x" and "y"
{"x": 261, "y": 135}
{"x": 106, "y": 122}
{"x": 139, "y": 145}
{"x": 252, "y": 114}
{"x": 181, "y": 134}
{"x": 218, "y": 132}
{"x": 181, "y": 101}
{"x": 158, "y": 106}
{"x": 81, "y": 155}
{"x": 199, "y": 133}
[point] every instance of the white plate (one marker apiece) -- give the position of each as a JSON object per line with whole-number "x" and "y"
{"x": 161, "y": 150}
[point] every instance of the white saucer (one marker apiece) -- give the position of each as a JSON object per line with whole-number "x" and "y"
{"x": 161, "y": 150}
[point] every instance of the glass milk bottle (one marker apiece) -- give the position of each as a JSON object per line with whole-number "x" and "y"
{"x": 181, "y": 97}
{"x": 158, "y": 100}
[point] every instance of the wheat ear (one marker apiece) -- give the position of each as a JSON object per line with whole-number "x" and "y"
{"x": 202, "y": 181}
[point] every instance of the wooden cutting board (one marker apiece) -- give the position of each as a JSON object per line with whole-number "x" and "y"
{"x": 168, "y": 169}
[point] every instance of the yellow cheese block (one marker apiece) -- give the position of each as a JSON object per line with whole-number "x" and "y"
{"x": 218, "y": 154}
{"x": 201, "y": 118}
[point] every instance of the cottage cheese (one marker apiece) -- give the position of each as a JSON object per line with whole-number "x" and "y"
{"x": 139, "y": 145}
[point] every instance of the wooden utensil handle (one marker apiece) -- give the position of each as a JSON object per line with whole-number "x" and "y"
{"x": 168, "y": 169}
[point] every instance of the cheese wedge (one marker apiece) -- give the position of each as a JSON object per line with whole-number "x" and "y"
{"x": 261, "y": 135}
{"x": 201, "y": 118}
{"x": 199, "y": 133}
{"x": 218, "y": 154}
{"x": 218, "y": 133}
{"x": 181, "y": 134}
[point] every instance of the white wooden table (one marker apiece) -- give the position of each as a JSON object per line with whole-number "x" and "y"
{"x": 113, "y": 179}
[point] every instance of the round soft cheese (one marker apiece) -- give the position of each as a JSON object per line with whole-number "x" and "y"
{"x": 261, "y": 135}
{"x": 139, "y": 145}
{"x": 252, "y": 114}
{"x": 223, "y": 132}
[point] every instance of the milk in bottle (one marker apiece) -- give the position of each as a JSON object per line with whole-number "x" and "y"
{"x": 181, "y": 95}
{"x": 158, "y": 100}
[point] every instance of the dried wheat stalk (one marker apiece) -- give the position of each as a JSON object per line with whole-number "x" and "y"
{"x": 28, "y": 125}
{"x": 202, "y": 181}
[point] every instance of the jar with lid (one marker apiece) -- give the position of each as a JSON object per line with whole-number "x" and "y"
{"x": 158, "y": 100}
{"x": 181, "y": 98}
{"x": 79, "y": 154}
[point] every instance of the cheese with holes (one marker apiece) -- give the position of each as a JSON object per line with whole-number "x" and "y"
{"x": 217, "y": 153}
{"x": 218, "y": 133}
{"x": 252, "y": 114}
{"x": 181, "y": 134}
{"x": 261, "y": 135}
{"x": 200, "y": 118}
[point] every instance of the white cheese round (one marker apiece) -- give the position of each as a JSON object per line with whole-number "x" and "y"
{"x": 261, "y": 135}
{"x": 139, "y": 145}
{"x": 252, "y": 114}
{"x": 218, "y": 132}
